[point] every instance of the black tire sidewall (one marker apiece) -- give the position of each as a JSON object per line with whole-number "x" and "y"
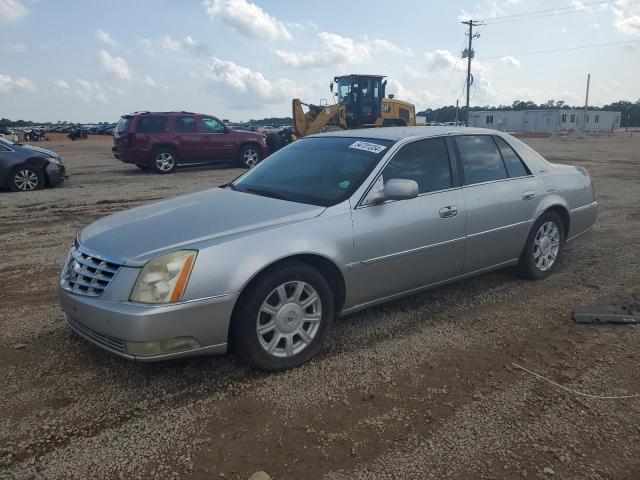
{"x": 12, "y": 185}
{"x": 243, "y": 328}
{"x": 527, "y": 264}
{"x": 157, "y": 152}
{"x": 243, "y": 150}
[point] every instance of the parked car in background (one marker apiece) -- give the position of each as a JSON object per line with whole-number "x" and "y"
{"x": 25, "y": 167}
{"x": 332, "y": 223}
{"x": 163, "y": 140}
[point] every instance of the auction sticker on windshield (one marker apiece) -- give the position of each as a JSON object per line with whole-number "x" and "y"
{"x": 367, "y": 146}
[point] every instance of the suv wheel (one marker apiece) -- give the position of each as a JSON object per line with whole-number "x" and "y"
{"x": 164, "y": 161}
{"x": 284, "y": 318}
{"x": 26, "y": 178}
{"x": 249, "y": 156}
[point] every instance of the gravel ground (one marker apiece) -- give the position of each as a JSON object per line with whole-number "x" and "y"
{"x": 423, "y": 387}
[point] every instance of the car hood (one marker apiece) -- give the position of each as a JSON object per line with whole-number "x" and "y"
{"x": 39, "y": 150}
{"x": 132, "y": 237}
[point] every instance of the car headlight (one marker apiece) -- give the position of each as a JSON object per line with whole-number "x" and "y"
{"x": 57, "y": 160}
{"x": 164, "y": 279}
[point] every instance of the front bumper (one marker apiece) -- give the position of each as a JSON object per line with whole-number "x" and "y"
{"x": 55, "y": 173}
{"x": 109, "y": 324}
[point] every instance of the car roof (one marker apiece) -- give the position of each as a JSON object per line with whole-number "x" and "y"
{"x": 400, "y": 133}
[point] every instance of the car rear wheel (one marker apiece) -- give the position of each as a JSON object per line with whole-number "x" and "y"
{"x": 164, "y": 161}
{"x": 26, "y": 178}
{"x": 283, "y": 318}
{"x": 249, "y": 156}
{"x": 543, "y": 248}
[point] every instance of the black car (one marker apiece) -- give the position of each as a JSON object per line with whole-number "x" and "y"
{"x": 25, "y": 167}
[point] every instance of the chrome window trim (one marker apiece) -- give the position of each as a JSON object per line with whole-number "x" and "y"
{"x": 497, "y": 181}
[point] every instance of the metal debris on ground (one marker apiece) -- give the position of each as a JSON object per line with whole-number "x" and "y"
{"x": 618, "y": 314}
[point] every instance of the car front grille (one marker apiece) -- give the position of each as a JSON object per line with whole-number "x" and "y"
{"x": 87, "y": 275}
{"x": 105, "y": 341}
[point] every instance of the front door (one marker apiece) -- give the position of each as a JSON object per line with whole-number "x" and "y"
{"x": 407, "y": 244}
{"x": 216, "y": 143}
{"x": 499, "y": 191}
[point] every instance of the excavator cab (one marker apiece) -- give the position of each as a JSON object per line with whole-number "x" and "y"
{"x": 361, "y": 96}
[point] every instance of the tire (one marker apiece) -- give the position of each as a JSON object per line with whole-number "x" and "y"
{"x": 274, "y": 142}
{"x": 544, "y": 246}
{"x": 26, "y": 178}
{"x": 293, "y": 340}
{"x": 164, "y": 160}
{"x": 249, "y": 156}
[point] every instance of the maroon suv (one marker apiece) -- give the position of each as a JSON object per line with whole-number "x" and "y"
{"x": 162, "y": 140}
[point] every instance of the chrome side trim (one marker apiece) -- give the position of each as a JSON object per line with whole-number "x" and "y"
{"x": 162, "y": 305}
{"x": 593, "y": 204}
{"x": 504, "y": 227}
{"x": 408, "y": 252}
{"x": 578, "y": 234}
{"x": 362, "y": 306}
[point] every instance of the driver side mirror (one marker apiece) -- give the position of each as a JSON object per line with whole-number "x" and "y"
{"x": 331, "y": 87}
{"x": 394, "y": 189}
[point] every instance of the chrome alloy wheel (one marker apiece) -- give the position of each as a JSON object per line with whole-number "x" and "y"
{"x": 546, "y": 246}
{"x": 26, "y": 180}
{"x": 250, "y": 157}
{"x": 165, "y": 161}
{"x": 289, "y": 319}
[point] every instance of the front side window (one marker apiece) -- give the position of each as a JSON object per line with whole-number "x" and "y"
{"x": 425, "y": 161}
{"x": 151, "y": 124}
{"x": 515, "y": 166}
{"x": 318, "y": 171}
{"x": 481, "y": 160}
{"x": 211, "y": 125}
{"x": 185, "y": 124}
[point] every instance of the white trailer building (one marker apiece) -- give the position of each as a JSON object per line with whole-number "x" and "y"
{"x": 552, "y": 120}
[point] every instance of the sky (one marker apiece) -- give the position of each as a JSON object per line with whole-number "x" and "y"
{"x": 91, "y": 61}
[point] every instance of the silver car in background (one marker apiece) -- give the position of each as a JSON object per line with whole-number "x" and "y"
{"x": 331, "y": 224}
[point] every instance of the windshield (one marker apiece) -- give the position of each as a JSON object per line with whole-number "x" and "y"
{"x": 345, "y": 86}
{"x": 319, "y": 171}
{"x": 123, "y": 124}
{"x": 6, "y": 141}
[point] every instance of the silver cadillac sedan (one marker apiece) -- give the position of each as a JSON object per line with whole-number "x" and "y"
{"x": 331, "y": 224}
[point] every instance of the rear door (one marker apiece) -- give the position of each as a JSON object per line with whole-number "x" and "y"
{"x": 186, "y": 137}
{"x": 407, "y": 244}
{"x": 498, "y": 191}
{"x": 217, "y": 144}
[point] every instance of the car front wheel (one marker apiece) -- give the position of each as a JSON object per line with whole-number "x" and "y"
{"x": 249, "y": 156}
{"x": 543, "y": 248}
{"x": 284, "y": 318}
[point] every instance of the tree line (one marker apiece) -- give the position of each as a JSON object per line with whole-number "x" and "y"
{"x": 630, "y": 110}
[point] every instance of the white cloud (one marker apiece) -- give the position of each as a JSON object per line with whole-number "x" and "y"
{"x": 248, "y": 19}
{"x": 14, "y": 47}
{"x": 511, "y": 61}
{"x": 411, "y": 72}
{"x": 595, "y": 26}
{"x": 149, "y": 81}
{"x": 336, "y": 49}
{"x": 89, "y": 91}
{"x": 115, "y": 65}
{"x": 440, "y": 59}
{"x": 146, "y": 45}
{"x": 627, "y": 17}
{"x": 421, "y": 98}
{"x": 62, "y": 85}
{"x": 105, "y": 38}
{"x": 12, "y": 10}
{"x": 242, "y": 88}
{"x": 170, "y": 44}
{"x": 19, "y": 84}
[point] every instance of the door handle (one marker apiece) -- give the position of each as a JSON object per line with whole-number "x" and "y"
{"x": 448, "y": 211}
{"x": 529, "y": 195}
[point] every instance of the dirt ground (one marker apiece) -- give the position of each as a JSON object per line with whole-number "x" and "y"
{"x": 423, "y": 387}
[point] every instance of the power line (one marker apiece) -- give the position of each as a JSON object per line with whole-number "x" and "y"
{"x": 555, "y": 11}
{"x": 593, "y": 45}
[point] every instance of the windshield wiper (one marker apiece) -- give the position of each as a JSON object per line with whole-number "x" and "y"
{"x": 265, "y": 193}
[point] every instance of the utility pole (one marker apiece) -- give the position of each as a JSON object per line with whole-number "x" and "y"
{"x": 468, "y": 53}
{"x": 456, "y": 113}
{"x": 586, "y": 102}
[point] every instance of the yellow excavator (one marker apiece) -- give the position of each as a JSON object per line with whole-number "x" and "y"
{"x": 360, "y": 103}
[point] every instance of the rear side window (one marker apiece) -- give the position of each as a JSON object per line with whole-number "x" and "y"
{"x": 124, "y": 124}
{"x": 185, "y": 124}
{"x": 515, "y": 166}
{"x": 425, "y": 161}
{"x": 151, "y": 124}
{"x": 481, "y": 160}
